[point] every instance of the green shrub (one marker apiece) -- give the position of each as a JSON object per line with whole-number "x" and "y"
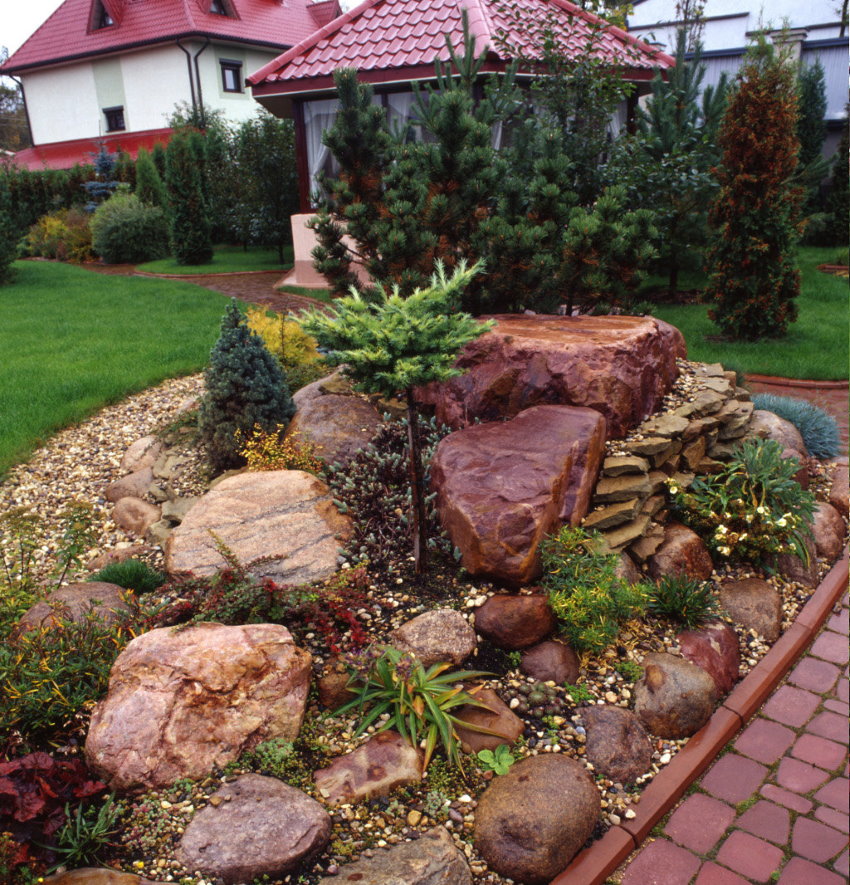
{"x": 682, "y": 599}
{"x": 418, "y": 701}
{"x": 752, "y": 508}
{"x": 818, "y": 428}
{"x": 588, "y": 599}
{"x": 64, "y": 235}
{"x": 245, "y": 388}
{"x": 50, "y": 674}
{"x": 191, "y": 241}
{"x": 8, "y": 233}
{"x": 125, "y": 230}
{"x": 132, "y": 574}
{"x": 150, "y": 188}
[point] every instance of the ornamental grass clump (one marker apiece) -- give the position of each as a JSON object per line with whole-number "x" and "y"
{"x": 752, "y": 508}
{"x": 420, "y": 702}
{"x": 585, "y": 594}
{"x": 682, "y": 599}
{"x": 818, "y": 429}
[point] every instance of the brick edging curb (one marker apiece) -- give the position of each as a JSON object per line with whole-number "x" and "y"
{"x": 593, "y": 865}
{"x": 801, "y": 383}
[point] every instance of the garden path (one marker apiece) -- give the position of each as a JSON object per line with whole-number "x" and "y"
{"x": 774, "y": 806}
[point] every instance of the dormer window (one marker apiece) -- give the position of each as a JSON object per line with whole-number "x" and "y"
{"x": 100, "y": 17}
{"x": 217, "y": 7}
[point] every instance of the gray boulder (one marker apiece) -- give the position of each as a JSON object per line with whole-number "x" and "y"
{"x": 617, "y": 743}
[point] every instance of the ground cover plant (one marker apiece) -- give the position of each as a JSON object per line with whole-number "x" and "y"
{"x": 73, "y": 341}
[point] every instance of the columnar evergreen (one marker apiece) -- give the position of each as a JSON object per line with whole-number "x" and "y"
{"x": 9, "y": 233}
{"x": 150, "y": 188}
{"x": 191, "y": 241}
{"x": 245, "y": 387}
{"x": 839, "y": 199}
{"x": 753, "y": 279}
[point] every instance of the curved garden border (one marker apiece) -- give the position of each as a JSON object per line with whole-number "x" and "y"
{"x": 593, "y": 865}
{"x": 803, "y": 384}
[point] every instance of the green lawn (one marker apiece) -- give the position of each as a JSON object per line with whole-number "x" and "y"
{"x": 816, "y": 346}
{"x": 72, "y": 340}
{"x": 318, "y": 294}
{"x": 227, "y": 259}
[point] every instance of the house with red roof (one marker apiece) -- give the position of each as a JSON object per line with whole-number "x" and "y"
{"x": 394, "y": 42}
{"x": 112, "y": 71}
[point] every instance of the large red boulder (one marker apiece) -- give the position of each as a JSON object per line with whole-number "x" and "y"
{"x": 502, "y": 487}
{"x": 620, "y": 366}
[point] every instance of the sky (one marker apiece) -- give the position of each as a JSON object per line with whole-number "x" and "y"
{"x": 18, "y": 20}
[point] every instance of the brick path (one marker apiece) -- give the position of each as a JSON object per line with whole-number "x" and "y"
{"x": 774, "y": 806}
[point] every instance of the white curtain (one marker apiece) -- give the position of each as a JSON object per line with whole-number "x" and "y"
{"x": 318, "y": 116}
{"x": 399, "y": 110}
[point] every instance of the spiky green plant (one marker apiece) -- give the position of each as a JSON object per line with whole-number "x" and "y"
{"x": 682, "y": 599}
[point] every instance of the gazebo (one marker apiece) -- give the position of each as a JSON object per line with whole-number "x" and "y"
{"x": 392, "y": 43}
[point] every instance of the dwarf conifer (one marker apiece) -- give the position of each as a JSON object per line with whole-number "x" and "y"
{"x": 191, "y": 242}
{"x": 245, "y": 387}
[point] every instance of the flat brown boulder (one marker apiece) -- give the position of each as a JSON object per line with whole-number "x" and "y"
{"x": 436, "y": 637}
{"x": 801, "y": 570}
{"x": 714, "y": 647}
{"x": 828, "y": 530}
{"x": 181, "y": 703}
{"x": 135, "y": 516}
{"x": 532, "y": 821}
{"x": 73, "y": 602}
{"x": 617, "y": 744}
{"x": 337, "y": 426}
{"x": 755, "y": 605}
{"x": 551, "y": 661}
{"x": 674, "y": 698}
{"x": 384, "y": 762}
{"x": 142, "y": 453}
{"x": 259, "y": 826}
{"x": 502, "y": 487}
{"x": 496, "y": 717}
{"x": 285, "y": 516}
{"x": 96, "y": 876}
{"x": 134, "y": 485}
{"x": 682, "y": 552}
{"x": 432, "y": 859}
{"x": 619, "y": 366}
{"x": 511, "y": 622}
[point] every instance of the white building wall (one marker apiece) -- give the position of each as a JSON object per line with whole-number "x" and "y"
{"x": 236, "y": 106}
{"x": 155, "y": 80}
{"x": 62, "y": 104}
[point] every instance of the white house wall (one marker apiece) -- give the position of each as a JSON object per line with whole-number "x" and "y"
{"x": 155, "y": 80}
{"x": 236, "y": 106}
{"x": 62, "y": 106}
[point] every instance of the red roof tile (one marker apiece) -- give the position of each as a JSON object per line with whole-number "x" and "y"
{"x": 67, "y": 34}
{"x": 383, "y": 34}
{"x": 65, "y": 154}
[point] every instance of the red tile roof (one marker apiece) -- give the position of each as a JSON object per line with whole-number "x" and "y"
{"x": 65, "y": 154}
{"x": 387, "y": 34}
{"x": 67, "y": 35}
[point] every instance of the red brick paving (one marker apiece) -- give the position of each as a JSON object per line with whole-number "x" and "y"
{"x": 792, "y": 760}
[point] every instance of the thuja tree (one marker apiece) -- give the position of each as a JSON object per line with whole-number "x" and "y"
{"x": 245, "y": 388}
{"x": 9, "y": 233}
{"x": 753, "y": 279}
{"x": 391, "y": 345}
{"x": 839, "y": 198}
{"x": 150, "y": 188}
{"x": 191, "y": 240}
{"x": 668, "y": 162}
{"x": 811, "y": 130}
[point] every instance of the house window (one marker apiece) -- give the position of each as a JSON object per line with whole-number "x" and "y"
{"x": 114, "y": 119}
{"x": 231, "y": 75}
{"x": 218, "y": 7}
{"x": 101, "y": 17}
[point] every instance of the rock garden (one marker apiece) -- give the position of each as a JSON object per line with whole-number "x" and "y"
{"x": 238, "y": 652}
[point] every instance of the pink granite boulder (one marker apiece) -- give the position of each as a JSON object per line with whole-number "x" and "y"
{"x": 682, "y": 552}
{"x": 714, "y": 647}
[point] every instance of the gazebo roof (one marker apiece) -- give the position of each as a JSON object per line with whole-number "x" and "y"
{"x": 398, "y": 40}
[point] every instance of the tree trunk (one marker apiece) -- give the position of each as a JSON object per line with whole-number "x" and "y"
{"x": 419, "y": 525}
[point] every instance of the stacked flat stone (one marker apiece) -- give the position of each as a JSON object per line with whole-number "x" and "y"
{"x": 693, "y": 438}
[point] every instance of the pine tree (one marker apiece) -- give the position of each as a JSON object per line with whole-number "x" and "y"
{"x": 753, "y": 279}
{"x": 394, "y": 344}
{"x": 245, "y": 387}
{"x": 149, "y": 186}
{"x": 191, "y": 241}
{"x": 672, "y": 155}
